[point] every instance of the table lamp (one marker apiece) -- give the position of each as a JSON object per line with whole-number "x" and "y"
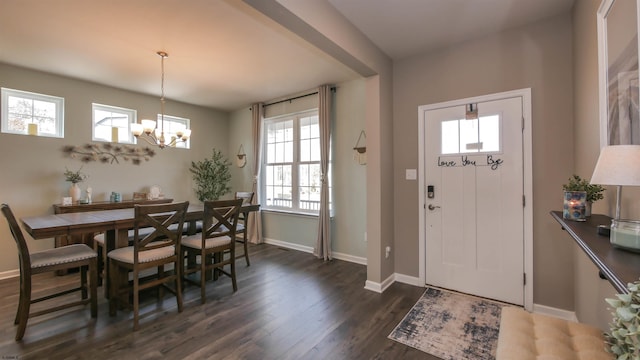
{"x": 619, "y": 165}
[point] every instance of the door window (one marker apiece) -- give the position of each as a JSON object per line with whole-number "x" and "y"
{"x": 461, "y": 136}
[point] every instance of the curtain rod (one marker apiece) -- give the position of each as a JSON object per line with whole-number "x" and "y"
{"x": 333, "y": 88}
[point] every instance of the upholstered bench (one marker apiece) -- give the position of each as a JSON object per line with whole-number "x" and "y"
{"x": 525, "y": 336}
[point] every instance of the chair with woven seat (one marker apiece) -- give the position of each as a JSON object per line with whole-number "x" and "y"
{"x": 216, "y": 239}
{"x": 61, "y": 258}
{"x": 247, "y": 198}
{"x": 154, "y": 250}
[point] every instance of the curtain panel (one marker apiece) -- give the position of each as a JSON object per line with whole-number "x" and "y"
{"x": 323, "y": 243}
{"x": 255, "y": 218}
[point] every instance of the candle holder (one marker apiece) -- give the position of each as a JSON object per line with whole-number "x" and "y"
{"x": 575, "y": 204}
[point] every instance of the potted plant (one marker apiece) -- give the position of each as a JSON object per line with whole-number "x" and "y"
{"x": 74, "y": 177}
{"x": 594, "y": 192}
{"x": 623, "y": 340}
{"x": 212, "y": 176}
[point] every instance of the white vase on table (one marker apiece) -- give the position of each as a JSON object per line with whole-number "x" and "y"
{"x": 74, "y": 192}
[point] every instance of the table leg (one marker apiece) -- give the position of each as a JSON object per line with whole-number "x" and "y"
{"x": 113, "y": 239}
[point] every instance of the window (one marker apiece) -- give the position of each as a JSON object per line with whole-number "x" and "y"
{"x": 480, "y": 135}
{"x": 291, "y": 165}
{"x": 172, "y": 124}
{"x": 113, "y": 124}
{"x": 30, "y": 113}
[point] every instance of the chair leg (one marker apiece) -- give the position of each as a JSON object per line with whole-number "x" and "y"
{"x": 20, "y": 301}
{"x": 203, "y": 277}
{"x": 23, "y": 307}
{"x": 160, "y": 271}
{"x": 83, "y": 282}
{"x": 245, "y": 244}
{"x": 93, "y": 273}
{"x": 177, "y": 272}
{"x": 136, "y": 300}
{"x": 233, "y": 274}
{"x": 101, "y": 262}
{"x": 113, "y": 288}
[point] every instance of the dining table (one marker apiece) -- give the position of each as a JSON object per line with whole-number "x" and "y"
{"x": 114, "y": 223}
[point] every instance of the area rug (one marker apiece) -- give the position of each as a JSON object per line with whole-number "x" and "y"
{"x": 451, "y": 326}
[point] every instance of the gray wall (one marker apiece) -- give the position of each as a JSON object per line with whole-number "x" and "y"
{"x": 32, "y": 177}
{"x": 349, "y": 178}
{"x": 537, "y": 56}
{"x": 589, "y": 290}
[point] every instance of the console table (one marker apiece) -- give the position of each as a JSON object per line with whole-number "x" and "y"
{"x": 618, "y": 266}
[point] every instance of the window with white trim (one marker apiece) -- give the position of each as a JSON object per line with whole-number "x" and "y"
{"x": 173, "y": 124}
{"x": 28, "y": 113}
{"x": 113, "y": 124}
{"x": 291, "y": 172}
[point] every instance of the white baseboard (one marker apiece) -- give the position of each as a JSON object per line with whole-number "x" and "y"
{"x": 9, "y": 274}
{"x": 349, "y": 258}
{"x": 379, "y": 287}
{"x": 409, "y": 280}
{"x": 310, "y": 250}
{"x": 555, "y": 312}
{"x": 288, "y": 245}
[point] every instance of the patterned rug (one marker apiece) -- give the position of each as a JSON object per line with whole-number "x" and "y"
{"x": 451, "y": 326}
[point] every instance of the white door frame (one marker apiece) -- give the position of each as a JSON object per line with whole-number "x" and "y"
{"x": 527, "y": 161}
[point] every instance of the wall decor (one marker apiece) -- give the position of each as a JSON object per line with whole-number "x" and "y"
{"x": 109, "y": 153}
{"x": 360, "y": 150}
{"x": 618, "y": 72}
{"x": 242, "y": 157}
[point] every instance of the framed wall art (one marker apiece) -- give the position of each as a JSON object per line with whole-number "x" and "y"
{"x": 618, "y": 72}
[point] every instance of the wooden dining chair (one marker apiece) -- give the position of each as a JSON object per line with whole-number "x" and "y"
{"x": 155, "y": 250}
{"x": 61, "y": 258}
{"x": 247, "y": 198}
{"x": 217, "y": 238}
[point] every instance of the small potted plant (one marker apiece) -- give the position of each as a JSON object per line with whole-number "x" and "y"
{"x": 74, "y": 177}
{"x": 623, "y": 340}
{"x": 594, "y": 192}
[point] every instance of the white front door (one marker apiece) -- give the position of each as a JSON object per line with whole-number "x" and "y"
{"x": 474, "y": 216}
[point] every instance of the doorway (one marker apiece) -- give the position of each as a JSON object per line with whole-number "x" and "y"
{"x": 476, "y": 197}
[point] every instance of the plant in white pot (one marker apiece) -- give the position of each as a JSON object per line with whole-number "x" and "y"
{"x": 623, "y": 340}
{"x": 74, "y": 177}
{"x": 212, "y": 176}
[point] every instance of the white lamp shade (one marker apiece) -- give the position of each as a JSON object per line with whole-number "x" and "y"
{"x": 148, "y": 125}
{"x": 136, "y": 129}
{"x": 618, "y": 165}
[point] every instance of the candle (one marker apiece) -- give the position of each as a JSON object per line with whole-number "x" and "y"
{"x": 32, "y": 129}
{"x": 626, "y": 234}
{"x": 574, "y": 205}
{"x": 114, "y": 134}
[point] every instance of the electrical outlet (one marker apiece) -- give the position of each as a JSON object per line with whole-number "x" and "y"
{"x": 387, "y": 251}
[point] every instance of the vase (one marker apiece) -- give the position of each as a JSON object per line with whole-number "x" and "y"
{"x": 74, "y": 192}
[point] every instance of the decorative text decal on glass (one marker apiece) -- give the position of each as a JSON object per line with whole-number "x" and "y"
{"x": 465, "y": 161}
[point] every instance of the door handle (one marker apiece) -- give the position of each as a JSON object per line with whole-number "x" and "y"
{"x": 431, "y": 207}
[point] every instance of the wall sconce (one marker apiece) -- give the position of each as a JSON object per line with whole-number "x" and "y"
{"x": 242, "y": 157}
{"x": 360, "y": 150}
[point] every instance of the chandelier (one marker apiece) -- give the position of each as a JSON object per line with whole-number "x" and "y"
{"x": 147, "y": 129}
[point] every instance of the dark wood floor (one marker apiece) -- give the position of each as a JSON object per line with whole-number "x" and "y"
{"x": 289, "y": 305}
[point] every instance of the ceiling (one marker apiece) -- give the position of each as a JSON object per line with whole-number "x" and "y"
{"x": 223, "y": 53}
